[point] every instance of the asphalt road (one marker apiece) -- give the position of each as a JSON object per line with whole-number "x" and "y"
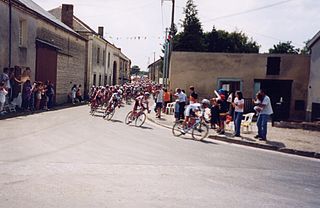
{"x": 67, "y": 158}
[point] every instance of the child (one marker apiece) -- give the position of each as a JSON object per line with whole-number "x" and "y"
{"x": 3, "y": 93}
{"x": 214, "y": 113}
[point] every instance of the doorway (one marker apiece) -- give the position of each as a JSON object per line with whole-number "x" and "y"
{"x": 114, "y": 80}
{"x": 279, "y": 92}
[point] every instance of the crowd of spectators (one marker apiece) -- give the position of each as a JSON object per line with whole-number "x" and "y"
{"x": 17, "y": 90}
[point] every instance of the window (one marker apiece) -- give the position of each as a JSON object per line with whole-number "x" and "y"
{"x": 299, "y": 105}
{"x": 273, "y": 65}
{"x": 105, "y": 80}
{"x": 230, "y": 85}
{"x": 100, "y": 80}
{"x": 22, "y": 33}
{"x": 98, "y": 55}
{"x": 109, "y": 60}
{"x": 104, "y": 57}
{"x": 94, "y": 79}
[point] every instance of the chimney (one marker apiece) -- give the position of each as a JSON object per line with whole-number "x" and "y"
{"x": 67, "y": 14}
{"x": 100, "y": 31}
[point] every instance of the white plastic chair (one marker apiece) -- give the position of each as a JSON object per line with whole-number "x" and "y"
{"x": 246, "y": 122}
{"x": 170, "y": 108}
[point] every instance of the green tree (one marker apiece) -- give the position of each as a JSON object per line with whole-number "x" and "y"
{"x": 284, "y": 48}
{"x": 305, "y": 50}
{"x": 191, "y": 38}
{"x": 135, "y": 70}
{"x": 234, "y": 42}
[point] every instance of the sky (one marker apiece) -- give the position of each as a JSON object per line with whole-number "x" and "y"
{"x": 138, "y": 26}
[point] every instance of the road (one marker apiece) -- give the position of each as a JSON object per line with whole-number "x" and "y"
{"x": 67, "y": 158}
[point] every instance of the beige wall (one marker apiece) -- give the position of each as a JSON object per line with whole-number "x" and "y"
{"x": 203, "y": 70}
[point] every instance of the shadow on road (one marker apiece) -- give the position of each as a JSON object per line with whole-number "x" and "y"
{"x": 145, "y": 127}
{"x": 116, "y": 121}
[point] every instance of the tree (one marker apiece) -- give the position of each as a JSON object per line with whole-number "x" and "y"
{"x": 305, "y": 50}
{"x": 235, "y": 42}
{"x": 135, "y": 70}
{"x": 191, "y": 39}
{"x": 284, "y": 48}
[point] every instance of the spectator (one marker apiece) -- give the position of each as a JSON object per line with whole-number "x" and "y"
{"x": 4, "y": 77}
{"x": 159, "y": 101}
{"x": 166, "y": 99}
{"x": 38, "y": 95}
{"x": 176, "y": 111}
{"x": 3, "y": 93}
{"x": 182, "y": 102}
{"x": 79, "y": 95}
{"x": 223, "y": 111}
{"x": 264, "y": 116}
{"x": 215, "y": 120}
{"x": 193, "y": 98}
{"x": 73, "y": 93}
{"x": 26, "y": 95}
{"x": 238, "y": 105}
{"x": 50, "y": 94}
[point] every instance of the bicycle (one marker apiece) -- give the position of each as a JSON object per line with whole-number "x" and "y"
{"x": 109, "y": 113}
{"x": 139, "y": 117}
{"x": 200, "y": 129}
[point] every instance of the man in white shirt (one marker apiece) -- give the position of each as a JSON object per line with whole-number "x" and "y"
{"x": 264, "y": 116}
{"x": 182, "y": 97}
{"x": 159, "y": 101}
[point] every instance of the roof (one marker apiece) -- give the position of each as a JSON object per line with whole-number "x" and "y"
{"x": 156, "y": 62}
{"x": 39, "y": 10}
{"x": 313, "y": 40}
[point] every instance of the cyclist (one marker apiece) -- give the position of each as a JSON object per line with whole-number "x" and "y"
{"x": 191, "y": 113}
{"x": 142, "y": 102}
{"x": 114, "y": 100}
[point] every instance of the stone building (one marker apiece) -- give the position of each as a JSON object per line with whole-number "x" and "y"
{"x": 313, "y": 109}
{"x": 124, "y": 69}
{"x": 105, "y": 62}
{"x": 52, "y": 49}
{"x": 155, "y": 71}
{"x": 96, "y": 46}
{"x": 285, "y": 77}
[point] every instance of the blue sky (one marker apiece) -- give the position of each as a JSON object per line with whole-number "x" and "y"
{"x": 137, "y": 26}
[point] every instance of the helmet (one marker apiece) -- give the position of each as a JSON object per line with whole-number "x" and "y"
{"x": 147, "y": 94}
{"x": 205, "y": 101}
{"x": 119, "y": 91}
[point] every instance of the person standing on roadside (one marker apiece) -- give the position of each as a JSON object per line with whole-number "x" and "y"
{"x": 193, "y": 98}
{"x": 264, "y": 115}
{"x": 182, "y": 102}
{"x": 238, "y": 105}
{"x": 166, "y": 99}
{"x": 159, "y": 101}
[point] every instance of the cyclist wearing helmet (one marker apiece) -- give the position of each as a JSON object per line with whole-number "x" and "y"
{"x": 142, "y": 102}
{"x": 191, "y": 113}
{"x": 115, "y": 99}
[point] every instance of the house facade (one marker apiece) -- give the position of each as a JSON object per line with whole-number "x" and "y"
{"x": 284, "y": 77}
{"x": 52, "y": 49}
{"x": 155, "y": 71}
{"x": 313, "y": 108}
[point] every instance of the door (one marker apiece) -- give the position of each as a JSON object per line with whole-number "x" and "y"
{"x": 279, "y": 92}
{"x": 115, "y": 76}
{"x": 46, "y": 64}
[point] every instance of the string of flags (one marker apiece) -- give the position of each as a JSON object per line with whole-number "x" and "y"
{"x": 136, "y": 38}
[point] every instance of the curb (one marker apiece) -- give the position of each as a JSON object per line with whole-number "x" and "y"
{"x": 57, "y": 107}
{"x": 315, "y": 155}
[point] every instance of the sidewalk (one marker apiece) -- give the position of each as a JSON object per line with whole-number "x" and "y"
{"x": 292, "y": 141}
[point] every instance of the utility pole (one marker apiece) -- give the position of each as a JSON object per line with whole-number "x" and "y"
{"x": 169, "y": 46}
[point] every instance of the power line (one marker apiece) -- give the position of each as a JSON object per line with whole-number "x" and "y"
{"x": 249, "y": 11}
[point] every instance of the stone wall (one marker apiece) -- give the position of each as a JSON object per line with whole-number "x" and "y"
{"x": 71, "y": 63}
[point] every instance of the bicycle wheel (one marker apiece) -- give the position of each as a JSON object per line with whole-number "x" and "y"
{"x": 92, "y": 110}
{"x": 176, "y": 129}
{"x": 200, "y": 131}
{"x": 141, "y": 119}
{"x": 128, "y": 118}
{"x": 110, "y": 114}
